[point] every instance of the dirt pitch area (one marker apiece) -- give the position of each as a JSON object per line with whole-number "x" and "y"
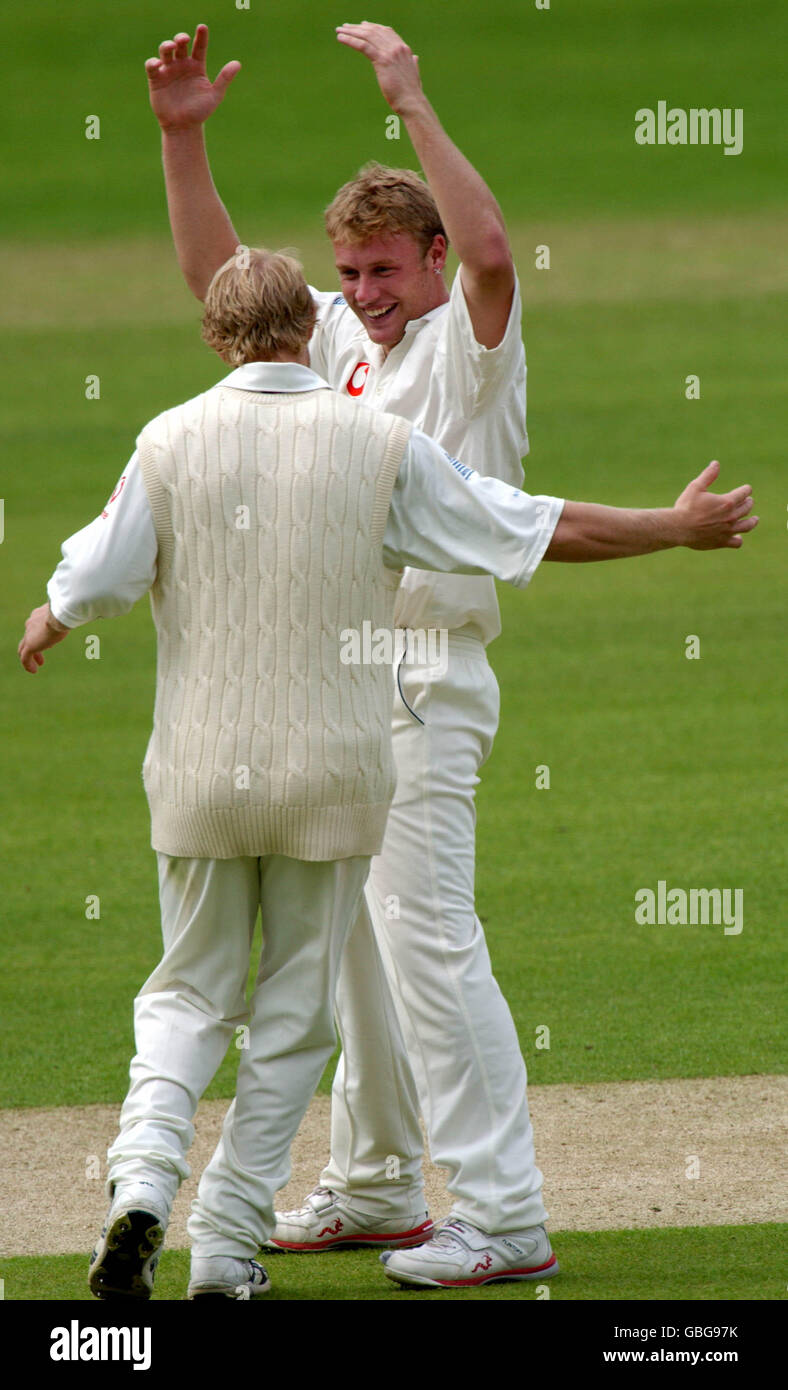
{"x": 621, "y": 1156}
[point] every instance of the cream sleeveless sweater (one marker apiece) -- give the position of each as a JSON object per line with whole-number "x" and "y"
{"x": 270, "y": 511}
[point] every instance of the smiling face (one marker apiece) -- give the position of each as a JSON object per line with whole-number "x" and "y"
{"x": 389, "y": 280}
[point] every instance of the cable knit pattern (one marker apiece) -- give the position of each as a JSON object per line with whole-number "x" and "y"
{"x": 263, "y": 741}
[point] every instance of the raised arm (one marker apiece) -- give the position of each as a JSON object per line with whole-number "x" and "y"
{"x": 472, "y": 218}
{"x": 183, "y": 97}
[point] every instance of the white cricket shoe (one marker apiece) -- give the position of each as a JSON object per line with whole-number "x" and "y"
{"x": 124, "y": 1261}
{"x": 218, "y": 1276}
{"x": 328, "y": 1222}
{"x": 462, "y": 1256}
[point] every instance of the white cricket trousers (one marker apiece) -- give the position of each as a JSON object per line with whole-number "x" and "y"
{"x": 433, "y": 1002}
{"x": 194, "y": 1005}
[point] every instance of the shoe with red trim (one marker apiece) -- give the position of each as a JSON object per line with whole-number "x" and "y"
{"x": 328, "y": 1222}
{"x": 461, "y": 1256}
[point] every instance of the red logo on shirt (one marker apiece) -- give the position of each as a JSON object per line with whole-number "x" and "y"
{"x": 357, "y": 379}
{"x": 116, "y": 493}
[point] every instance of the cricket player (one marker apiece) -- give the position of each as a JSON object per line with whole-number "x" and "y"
{"x": 423, "y": 1024}
{"x": 267, "y": 518}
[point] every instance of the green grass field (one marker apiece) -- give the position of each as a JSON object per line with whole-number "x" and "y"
{"x": 664, "y": 262}
{"x": 699, "y": 1264}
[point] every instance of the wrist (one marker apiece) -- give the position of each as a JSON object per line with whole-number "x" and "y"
{"x": 54, "y": 623}
{"x": 673, "y": 529}
{"x": 416, "y": 108}
{"x": 188, "y": 133}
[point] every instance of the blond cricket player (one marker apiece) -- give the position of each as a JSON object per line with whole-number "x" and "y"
{"x": 268, "y": 518}
{"x": 423, "y": 1024}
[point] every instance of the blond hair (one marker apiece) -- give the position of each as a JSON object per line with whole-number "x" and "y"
{"x": 380, "y": 200}
{"x": 258, "y": 306}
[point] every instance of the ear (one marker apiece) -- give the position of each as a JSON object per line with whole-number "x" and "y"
{"x": 437, "y": 253}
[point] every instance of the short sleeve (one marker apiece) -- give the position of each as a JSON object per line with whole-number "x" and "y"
{"x": 331, "y": 308}
{"x": 479, "y": 374}
{"x": 445, "y": 517}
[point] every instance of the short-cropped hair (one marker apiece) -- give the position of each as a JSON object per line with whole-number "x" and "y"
{"x": 258, "y": 306}
{"x": 380, "y": 200}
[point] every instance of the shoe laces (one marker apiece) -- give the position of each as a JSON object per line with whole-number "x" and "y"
{"x": 312, "y": 1200}
{"x": 318, "y": 1192}
{"x": 450, "y": 1233}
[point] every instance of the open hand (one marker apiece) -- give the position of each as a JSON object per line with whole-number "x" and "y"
{"x": 396, "y": 68}
{"x": 181, "y": 92}
{"x": 711, "y": 520}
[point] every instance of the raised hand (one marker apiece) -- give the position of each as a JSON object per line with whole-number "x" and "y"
{"x": 714, "y": 520}
{"x": 396, "y": 67}
{"x": 181, "y": 92}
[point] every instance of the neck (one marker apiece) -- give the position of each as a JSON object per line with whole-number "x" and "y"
{"x": 439, "y": 296}
{"x": 302, "y": 358}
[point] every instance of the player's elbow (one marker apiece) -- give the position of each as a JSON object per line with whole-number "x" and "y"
{"x": 493, "y": 265}
{"x": 197, "y": 281}
{"x": 199, "y": 272}
{"x": 488, "y": 255}
{"x": 569, "y": 543}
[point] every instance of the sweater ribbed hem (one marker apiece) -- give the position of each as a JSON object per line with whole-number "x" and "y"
{"x": 301, "y": 832}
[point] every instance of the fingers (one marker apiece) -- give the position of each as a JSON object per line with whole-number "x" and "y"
{"x": 706, "y": 478}
{"x": 177, "y": 50}
{"x": 737, "y": 504}
{"x": 741, "y": 510}
{"x": 349, "y": 40}
{"x": 741, "y": 494}
{"x": 30, "y": 661}
{"x": 735, "y": 542}
{"x": 172, "y": 50}
{"x": 367, "y": 28}
{"x": 225, "y": 77}
{"x": 366, "y": 37}
{"x": 200, "y": 43}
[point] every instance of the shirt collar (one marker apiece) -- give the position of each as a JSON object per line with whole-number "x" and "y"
{"x": 413, "y": 325}
{"x": 274, "y": 376}
{"x": 411, "y": 328}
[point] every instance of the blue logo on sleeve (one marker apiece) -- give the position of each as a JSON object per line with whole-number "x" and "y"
{"x": 462, "y": 468}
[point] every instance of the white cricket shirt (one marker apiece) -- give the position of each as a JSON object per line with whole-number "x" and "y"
{"x": 471, "y": 399}
{"x": 442, "y": 514}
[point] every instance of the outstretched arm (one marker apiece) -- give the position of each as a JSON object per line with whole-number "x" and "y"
{"x": 183, "y": 97}
{"x": 444, "y": 516}
{"x": 699, "y": 519}
{"x": 472, "y": 218}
